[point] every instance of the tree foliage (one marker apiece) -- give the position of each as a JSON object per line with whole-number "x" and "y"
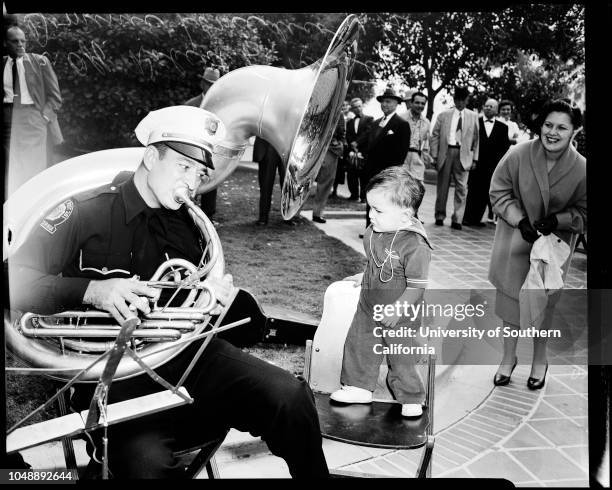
{"x": 485, "y": 50}
{"x": 113, "y": 69}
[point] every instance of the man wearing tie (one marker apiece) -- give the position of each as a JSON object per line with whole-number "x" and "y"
{"x": 454, "y": 148}
{"x": 388, "y": 139}
{"x": 31, "y": 100}
{"x": 356, "y": 138}
{"x": 493, "y": 144}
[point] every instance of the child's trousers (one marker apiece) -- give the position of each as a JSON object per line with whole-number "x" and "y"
{"x": 363, "y": 357}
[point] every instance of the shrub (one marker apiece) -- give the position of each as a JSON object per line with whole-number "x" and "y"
{"x": 115, "y": 68}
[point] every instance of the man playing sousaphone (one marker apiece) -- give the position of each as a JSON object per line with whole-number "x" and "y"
{"x": 93, "y": 249}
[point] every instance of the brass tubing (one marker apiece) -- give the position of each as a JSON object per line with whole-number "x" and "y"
{"x": 167, "y": 334}
{"x": 169, "y": 322}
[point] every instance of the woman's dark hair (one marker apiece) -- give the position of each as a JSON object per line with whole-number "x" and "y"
{"x": 558, "y": 105}
{"x": 506, "y": 102}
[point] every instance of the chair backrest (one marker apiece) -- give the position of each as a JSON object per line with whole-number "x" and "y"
{"x": 339, "y": 306}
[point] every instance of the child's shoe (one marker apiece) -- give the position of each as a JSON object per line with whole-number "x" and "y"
{"x": 351, "y": 394}
{"x": 412, "y": 410}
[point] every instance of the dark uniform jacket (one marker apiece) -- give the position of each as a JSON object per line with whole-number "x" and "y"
{"x": 109, "y": 232}
{"x": 100, "y": 234}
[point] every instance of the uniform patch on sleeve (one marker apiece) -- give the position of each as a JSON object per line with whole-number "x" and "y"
{"x": 58, "y": 216}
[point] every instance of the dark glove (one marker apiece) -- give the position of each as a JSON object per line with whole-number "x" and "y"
{"x": 527, "y": 231}
{"x": 546, "y": 225}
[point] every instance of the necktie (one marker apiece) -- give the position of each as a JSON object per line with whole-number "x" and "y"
{"x": 458, "y": 132}
{"x": 15, "y": 79}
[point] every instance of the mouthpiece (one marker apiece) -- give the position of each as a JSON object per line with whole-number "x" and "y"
{"x": 181, "y": 195}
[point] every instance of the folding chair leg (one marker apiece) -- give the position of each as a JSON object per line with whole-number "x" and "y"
{"x": 67, "y": 444}
{"x": 205, "y": 459}
{"x": 424, "y": 468}
{"x": 212, "y": 469}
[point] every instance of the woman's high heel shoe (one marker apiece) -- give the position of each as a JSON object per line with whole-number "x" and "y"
{"x": 502, "y": 379}
{"x": 537, "y": 383}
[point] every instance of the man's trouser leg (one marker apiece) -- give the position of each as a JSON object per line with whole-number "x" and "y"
{"x": 443, "y": 184}
{"x": 265, "y": 173}
{"x": 460, "y": 175}
{"x": 230, "y": 389}
{"x": 325, "y": 180}
{"x": 352, "y": 181}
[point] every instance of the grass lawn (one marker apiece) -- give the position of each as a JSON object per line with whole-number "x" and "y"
{"x": 282, "y": 265}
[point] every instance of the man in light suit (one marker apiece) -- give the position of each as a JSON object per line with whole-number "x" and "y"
{"x": 454, "y": 148}
{"x": 208, "y": 201}
{"x": 356, "y": 133}
{"x": 31, "y": 101}
{"x": 388, "y": 139}
{"x": 493, "y": 142}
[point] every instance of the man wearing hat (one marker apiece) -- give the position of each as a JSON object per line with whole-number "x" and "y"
{"x": 92, "y": 251}
{"x": 208, "y": 201}
{"x": 388, "y": 139}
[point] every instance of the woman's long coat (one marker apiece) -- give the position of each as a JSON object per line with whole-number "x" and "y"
{"x": 521, "y": 186}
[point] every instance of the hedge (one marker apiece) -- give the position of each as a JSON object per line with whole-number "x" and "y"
{"x": 113, "y": 69}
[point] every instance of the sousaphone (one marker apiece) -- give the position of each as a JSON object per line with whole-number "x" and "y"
{"x": 296, "y": 111}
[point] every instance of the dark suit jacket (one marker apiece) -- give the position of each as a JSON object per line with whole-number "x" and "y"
{"x": 44, "y": 90}
{"x": 389, "y": 146}
{"x": 196, "y": 101}
{"x": 365, "y": 122}
{"x": 493, "y": 147}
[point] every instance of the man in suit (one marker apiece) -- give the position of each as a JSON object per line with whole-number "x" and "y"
{"x": 388, "y": 139}
{"x": 454, "y": 148}
{"x": 32, "y": 99}
{"x": 269, "y": 163}
{"x": 357, "y": 130}
{"x": 208, "y": 201}
{"x": 493, "y": 142}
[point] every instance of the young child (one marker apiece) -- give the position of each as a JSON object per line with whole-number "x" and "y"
{"x": 398, "y": 255}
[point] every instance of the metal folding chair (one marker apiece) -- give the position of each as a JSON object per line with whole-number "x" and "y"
{"x": 378, "y": 424}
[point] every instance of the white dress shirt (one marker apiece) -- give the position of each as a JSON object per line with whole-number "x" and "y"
{"x": 385, "y": 120}
{"x": 8, "y": 82}
{"x": 488, "y": 125}
{"x": 513, "y": 129}
{"x": 453, "y": 127}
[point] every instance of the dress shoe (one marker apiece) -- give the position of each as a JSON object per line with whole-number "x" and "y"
{"x": 363, "y": 200}
{"x": 261, "y": 222}
{"x": 318, "y": 219}
{"x": 412, "y": 410}
{"x": 351, "y": 394}
{"x": 502, "y": 379}
{"x": 456, "y": 226}
{"x": 439, "y": 222}
{"x": 353, "y": 198}
{"x": 537, "y": 383}
{"x": 360, "y": 235}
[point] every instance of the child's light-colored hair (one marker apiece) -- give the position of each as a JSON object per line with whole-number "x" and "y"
{"x": 404, "y": 190}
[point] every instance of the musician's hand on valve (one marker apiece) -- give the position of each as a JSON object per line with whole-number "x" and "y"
{"x": 222, "y": 288}
{"x": 120, "y": 297}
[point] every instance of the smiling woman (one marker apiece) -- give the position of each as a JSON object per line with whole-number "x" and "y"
{"x": 538, "y": 188}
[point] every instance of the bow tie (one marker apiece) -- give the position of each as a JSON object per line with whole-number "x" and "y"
{"x": 489, "y": 120}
